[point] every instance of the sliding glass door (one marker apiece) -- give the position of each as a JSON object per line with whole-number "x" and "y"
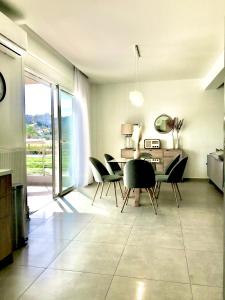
{"x": 66, "y": 144}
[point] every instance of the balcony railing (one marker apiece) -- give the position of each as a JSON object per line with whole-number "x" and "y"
{"x": 39, "y": 157}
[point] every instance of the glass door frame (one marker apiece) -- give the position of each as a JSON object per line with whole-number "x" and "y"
{"x": 69, "y": 189}
{"x": 55, "y": 122}
{"x": 42, "y": 79}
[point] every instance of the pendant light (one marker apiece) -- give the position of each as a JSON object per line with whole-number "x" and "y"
{"x": 135, "y": 96}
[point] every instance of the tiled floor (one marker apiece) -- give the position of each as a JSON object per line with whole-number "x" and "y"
{"x": 38, "y": 196}
{"x": 83, "y": 252}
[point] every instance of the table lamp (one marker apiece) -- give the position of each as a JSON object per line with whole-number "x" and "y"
{"x": 127, "y": 131}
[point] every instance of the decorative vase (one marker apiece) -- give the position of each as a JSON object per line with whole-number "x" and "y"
{"x": 176, "y": 140}
{"x": 137, "y": 152}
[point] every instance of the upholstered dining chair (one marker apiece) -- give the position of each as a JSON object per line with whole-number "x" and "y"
{"x": 167, "y": 170}
{"x": 112, "y": 167}
{"x": 145, "y": 155}
{"x": 139, "y": 174}
{"x": 175, "y": 176}
{"x": 101, "y": 175}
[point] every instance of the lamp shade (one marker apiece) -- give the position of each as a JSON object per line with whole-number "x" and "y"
{"x": 127, "y": 129}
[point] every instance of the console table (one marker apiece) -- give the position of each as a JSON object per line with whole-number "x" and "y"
{"x": 164, "y": 155}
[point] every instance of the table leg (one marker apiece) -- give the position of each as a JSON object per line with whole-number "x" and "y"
{"x": 136, "y": 197}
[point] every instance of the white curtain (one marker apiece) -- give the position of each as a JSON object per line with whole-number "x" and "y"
{"x": 82, "y": 133}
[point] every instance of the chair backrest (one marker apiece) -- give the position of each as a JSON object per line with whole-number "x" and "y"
{"x": 98, "y": 169}
{"x": 172, "y": 164}
{"x": 176, "y": 174}
{"x": 139, "y": 173}
{"x": 112, "y": 167}
{"x": 145, "y": 155}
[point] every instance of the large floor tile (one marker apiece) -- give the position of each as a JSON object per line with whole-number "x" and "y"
{"x": 89, "y": 257}
{"x": 123, "y": 288}
{"x": 207, "y": 293}
{"x": 67, "y": 285}
{"x": 149, "y": 219}
{"x": 115, "y": 218}
{"x": 57, "y": 228}
{"x": 158, "y": 236}
{"x": 204, "y": 218}
{"x": 14, "y": 280}
{"x": 105, "y": 233}
{"x": 39, "y": 252}
{"x": 205, "y": 268}
{"x": 153, "y": 263}
{"x": 205, "y": 239}
{"x": 34, "y": 223}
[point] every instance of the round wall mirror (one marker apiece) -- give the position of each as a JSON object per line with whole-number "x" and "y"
{"x": 164, "y": 123}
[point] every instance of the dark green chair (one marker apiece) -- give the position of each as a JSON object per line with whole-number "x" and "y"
{"x": 139, "y": 174}
{"x": 168, "y": 168}
{"x": 112, "y": 167}
{"x": 175, "y": 176}
{"x": 145, "y": 155}
{"x": 101, "y": 175}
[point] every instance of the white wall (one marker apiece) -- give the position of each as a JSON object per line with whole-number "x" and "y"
{"x": 44, "y": 60}
{"x": 202, "y": 112}
{"x": 12, "y": 32}
{"x": 11, "y": 108}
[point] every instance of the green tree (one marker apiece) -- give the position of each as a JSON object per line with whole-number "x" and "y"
{"x": 31, "y": 131}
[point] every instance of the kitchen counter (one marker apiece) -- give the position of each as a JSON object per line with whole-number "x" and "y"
{"x": 5, "y": 172}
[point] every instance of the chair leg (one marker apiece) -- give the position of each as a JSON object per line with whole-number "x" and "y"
{"x": 151, "y": 199}
{"x": 159, "y": 186}
{"x": 120, "y": 189}
{"x": 95, "y": 193}
{"x": 175, "y": 194}
{"x": 176, "y": 185}
{"x": 157, "y": 189}
{"x": 154, "y": 198}
{"x": 115, "y": 193}
{"x": 102, "y": 190}
{"x": 126, "y": 198}
{"x": 125, "y": 193}
{"x": 108, "y": 188}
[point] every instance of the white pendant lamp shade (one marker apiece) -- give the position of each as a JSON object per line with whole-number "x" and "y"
{"x": 136, "y": 98}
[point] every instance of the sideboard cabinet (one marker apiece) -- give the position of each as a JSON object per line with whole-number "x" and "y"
{"x": 164, "y": 156}
{"x": 5, "y": 217}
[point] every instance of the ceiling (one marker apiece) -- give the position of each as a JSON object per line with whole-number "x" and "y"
{"x": 178, "y": 39}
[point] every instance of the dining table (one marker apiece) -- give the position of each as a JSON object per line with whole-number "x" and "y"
{"x": 136, "y": 192}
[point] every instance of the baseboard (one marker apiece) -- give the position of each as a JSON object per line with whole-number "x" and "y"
{"x": 195, "y": 179}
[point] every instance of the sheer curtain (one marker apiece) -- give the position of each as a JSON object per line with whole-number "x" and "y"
{"x": 82, "y": 133}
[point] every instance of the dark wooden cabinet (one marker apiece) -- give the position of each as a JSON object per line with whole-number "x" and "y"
{"x": 5, "y": 218}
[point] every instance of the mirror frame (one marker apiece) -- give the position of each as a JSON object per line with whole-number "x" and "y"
{"x": 169, "y": 128}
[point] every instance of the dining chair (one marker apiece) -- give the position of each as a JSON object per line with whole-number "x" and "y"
{"x": 175, "y": 176}
{"x": 145, "y": 155}
{"x": 139, "y": 174}
{"x": 112, "y": 167}
{"x": 167, "y": 170}
{"x": 101, "y": 175}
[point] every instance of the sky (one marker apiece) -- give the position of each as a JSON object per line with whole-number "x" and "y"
{"x": 38, "y": 100}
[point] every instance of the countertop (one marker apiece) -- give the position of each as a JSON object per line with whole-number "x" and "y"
{"x": 5, "y": 172}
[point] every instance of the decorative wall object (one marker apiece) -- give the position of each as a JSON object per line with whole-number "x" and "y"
{"x": 137, "y": 135}
{"x": 176, "y": 129}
